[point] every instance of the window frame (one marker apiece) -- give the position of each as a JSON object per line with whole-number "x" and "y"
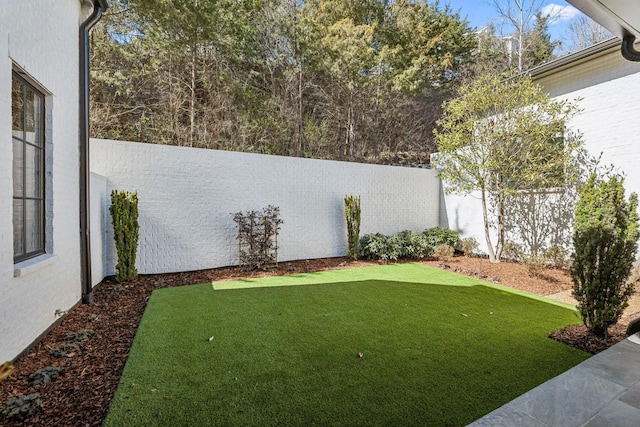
{"x": 39, "y": 176}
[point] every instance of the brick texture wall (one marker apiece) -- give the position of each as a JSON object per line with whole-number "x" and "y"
{"x": 187, "y": 197}
{"x": 41, "y": 40}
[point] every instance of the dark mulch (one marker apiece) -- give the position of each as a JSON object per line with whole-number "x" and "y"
{"x": 82, "y": 394}
{"x": 579, "y": 337}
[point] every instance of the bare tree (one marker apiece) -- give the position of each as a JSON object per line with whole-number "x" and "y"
{"x": 521, "y": 18}
{"x": 585, "y": 32}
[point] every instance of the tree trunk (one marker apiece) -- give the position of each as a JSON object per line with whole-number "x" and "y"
{"x": 192, "y": 101}
{"x": 300, "y": 144}
{"x": 501, "y": 231}
{"x": 350, "y": 137}
{"x": 487, "y": 234}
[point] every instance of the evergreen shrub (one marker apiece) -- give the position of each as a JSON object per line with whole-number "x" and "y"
{"x": 124, "y": 216}
{"x": 404, "y": 245}
{"x": 442, "y": 236}
{"x": 605, "y": 244}
{"x": 352, "y": 212}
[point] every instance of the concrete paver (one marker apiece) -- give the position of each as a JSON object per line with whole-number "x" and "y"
{"x": 604, "y": 390}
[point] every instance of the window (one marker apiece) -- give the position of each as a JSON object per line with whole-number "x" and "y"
{"x": 27, "y": 111}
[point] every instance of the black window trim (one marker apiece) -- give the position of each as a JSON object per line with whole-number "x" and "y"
{"x": 43, "y": 196}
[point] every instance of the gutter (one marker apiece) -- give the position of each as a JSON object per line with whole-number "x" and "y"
{"x": 85, "y": 200}
{"x": 574, "y": 58}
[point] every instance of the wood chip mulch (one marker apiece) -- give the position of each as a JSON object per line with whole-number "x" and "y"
{"x": 89, "y": 376}
{"x": 579, "y": 337}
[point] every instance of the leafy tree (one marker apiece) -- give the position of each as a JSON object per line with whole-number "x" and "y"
{"x": 332, "y": 79}
{"x": 605, "y": 243}
{"x": 500, "y": 137}
{"x": 490, "y": 57}
{"x": 540, "y": 47}
{"x": 423, "y": 45}
{"x": 372, "y": 53}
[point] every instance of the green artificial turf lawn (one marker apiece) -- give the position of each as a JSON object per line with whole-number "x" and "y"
{"x": 433, "y": 354}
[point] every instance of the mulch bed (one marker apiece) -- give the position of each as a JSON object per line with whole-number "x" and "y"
{"x": 89, "y": 376}
{"x": 579, "y": 337}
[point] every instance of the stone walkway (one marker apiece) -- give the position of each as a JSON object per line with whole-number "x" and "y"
{"x": 604, "y": 390}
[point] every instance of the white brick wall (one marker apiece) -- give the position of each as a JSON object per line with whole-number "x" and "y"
{"x": 41, "y": 38}
{"x": 98, "y": 226}
{"x": 187, "y": 197}
{"x": 608, "y": 90}
{"x": 610, "y": 125}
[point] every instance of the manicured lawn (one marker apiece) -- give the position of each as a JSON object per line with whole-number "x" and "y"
{"x": 433, "y": 354}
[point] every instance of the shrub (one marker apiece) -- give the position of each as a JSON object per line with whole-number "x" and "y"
{"x": 6, "y": 369}
{"x": 534, "y": 264}
{"x": 469, "y": 245}
{"x": 605, "y": 243}
{"x": 352, "y": 212}
{"x": 402, "y": 245}
{"x": 556, "y": 256}
{"x": 512, "y": 251}
{"x": 443, "y": 252}
{"x": 379, "y": 246}
{"x": 441, "y": 236}
{"x": 414, "y": 246}
{"x": 124, "y": 216}
{"x": 258, "y": 238}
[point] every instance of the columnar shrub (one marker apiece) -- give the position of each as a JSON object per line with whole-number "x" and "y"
{"x": 258, "y": 238}
{"x": 605, "y": 244}
{"x": 352, "y": 212}
{"x": 124, "y": 216}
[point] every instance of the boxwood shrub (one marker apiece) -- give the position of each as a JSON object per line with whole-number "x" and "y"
{"x": 406, "y": 245}
{"x": 442, "y": 236}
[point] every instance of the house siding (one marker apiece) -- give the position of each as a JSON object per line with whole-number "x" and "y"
{"x": 608, "y": 92}
{"x": 41, "y": 40}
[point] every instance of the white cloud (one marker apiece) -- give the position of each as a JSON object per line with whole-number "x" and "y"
{"x": 558, "y": 13}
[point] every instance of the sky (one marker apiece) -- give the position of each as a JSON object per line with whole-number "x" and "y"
{"x": 481, "y": 12}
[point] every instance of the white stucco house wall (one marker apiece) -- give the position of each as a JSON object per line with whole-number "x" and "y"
{"x": 40, "y": 120}
{"x": 605, "y": 86}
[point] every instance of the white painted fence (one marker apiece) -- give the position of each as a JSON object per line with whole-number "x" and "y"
{"x": 187, "y": 197}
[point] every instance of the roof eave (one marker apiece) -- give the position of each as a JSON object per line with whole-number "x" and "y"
{"x": 614, "y": 16}
{"x": 575, "y": 58}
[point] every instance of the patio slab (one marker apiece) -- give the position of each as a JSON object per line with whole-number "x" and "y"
{"x": 601, "y": 391}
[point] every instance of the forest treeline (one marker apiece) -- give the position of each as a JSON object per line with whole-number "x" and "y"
{"x": 357, "y": 80}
